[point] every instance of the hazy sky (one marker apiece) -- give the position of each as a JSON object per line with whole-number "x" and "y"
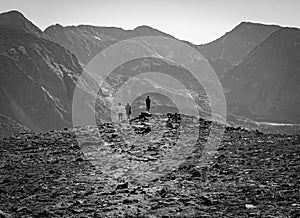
{"x": 198, "y": 21}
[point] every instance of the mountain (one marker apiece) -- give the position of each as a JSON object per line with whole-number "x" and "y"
{"x": 37, "y": 76}
{"x": 39, "y": 71}
{"x": 220, "y": 66}
{"x": 87, "y": 41}
{"x": 98, "y": 38}
{"x": 222, "y": 54}
{"x": 265, "y": 85}
{"x": 235, "y": 45}
{"x": 133, "y": 80}
{"x": 14, "y": 20}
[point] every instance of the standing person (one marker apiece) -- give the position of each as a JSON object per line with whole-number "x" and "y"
{"x": 120, "y": 110}
{"x": 148, "y": 102}
{"x": 128, "y": 111}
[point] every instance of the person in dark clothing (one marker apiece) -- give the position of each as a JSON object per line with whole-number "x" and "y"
{"x": 148, "y": 102}
{"x": 128, "y": 111}
{"x": 120, "y": 111}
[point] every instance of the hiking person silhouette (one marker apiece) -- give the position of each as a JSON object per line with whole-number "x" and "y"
{"x": 128, "y": 111}
{"x": 120, "y": 110}
{"x": 148, "y": 102}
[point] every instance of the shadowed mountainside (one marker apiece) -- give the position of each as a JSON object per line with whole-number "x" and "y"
{"x": 237, "y": 43}
{"x": 16, "y": 21}
{"x": 265, "y": 85}
{"x": 230, "y": 49}
{"x": 37, "y": 76}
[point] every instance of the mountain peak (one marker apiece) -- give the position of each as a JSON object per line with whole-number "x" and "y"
{"x": 246, "y": 24}
{"x": 145, "y": 30}
{"x": 13, "y": 13}
{"x": 15, "y": 20}
{"x": 144, "y": 27}
{"x": 237, "y": 43}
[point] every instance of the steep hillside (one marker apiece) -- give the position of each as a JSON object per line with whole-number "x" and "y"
{"x": 37, "y": 76}
{"x": 237, "y": 43}
{"x": 87, "y": 41}
{"x": 16, "y": 21}
{"x": 265, "y": 85}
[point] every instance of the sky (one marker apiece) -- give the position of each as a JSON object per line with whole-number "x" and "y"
{"x": 197, "y": 21}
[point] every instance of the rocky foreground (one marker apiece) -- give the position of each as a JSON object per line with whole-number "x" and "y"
{"x": 150, "y": 167}
{"x": 9, "y": 127}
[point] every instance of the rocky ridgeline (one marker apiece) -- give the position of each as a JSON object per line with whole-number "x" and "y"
{"x": 149, "y": 168}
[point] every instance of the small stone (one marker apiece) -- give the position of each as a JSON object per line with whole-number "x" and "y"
{"x": 206, "y": 200}
{"x": 250, "y": 206}
{"x": 122, "y": 185}
{"x": 4, "y": 215}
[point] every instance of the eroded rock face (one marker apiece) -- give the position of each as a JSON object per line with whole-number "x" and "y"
{"x": 49, "y": 174}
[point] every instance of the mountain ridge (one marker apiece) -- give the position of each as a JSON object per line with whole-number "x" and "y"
{"x": 86, "y": 41}
{"x": 266, "y": 83}
{"x": 17, "y": 21}
{"x": 82, "y": 42}
{"x": 37, "y": 77}
{"x": 237, "y": 43}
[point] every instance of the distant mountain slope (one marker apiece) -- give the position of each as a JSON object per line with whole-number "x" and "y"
{"x": 9, "y": 127}
{"x": 237, "y": 43}
{"x": 265, "y": 85}
{"x": 37, "y": 76}
{"x": 38, "y": 72}
{"x": 87, "y": 41}
{"x": 220, "y": 66}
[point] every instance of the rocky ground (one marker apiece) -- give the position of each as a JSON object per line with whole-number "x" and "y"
{"x": 150, "y": 167}
{"x": 9, "y": 127}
